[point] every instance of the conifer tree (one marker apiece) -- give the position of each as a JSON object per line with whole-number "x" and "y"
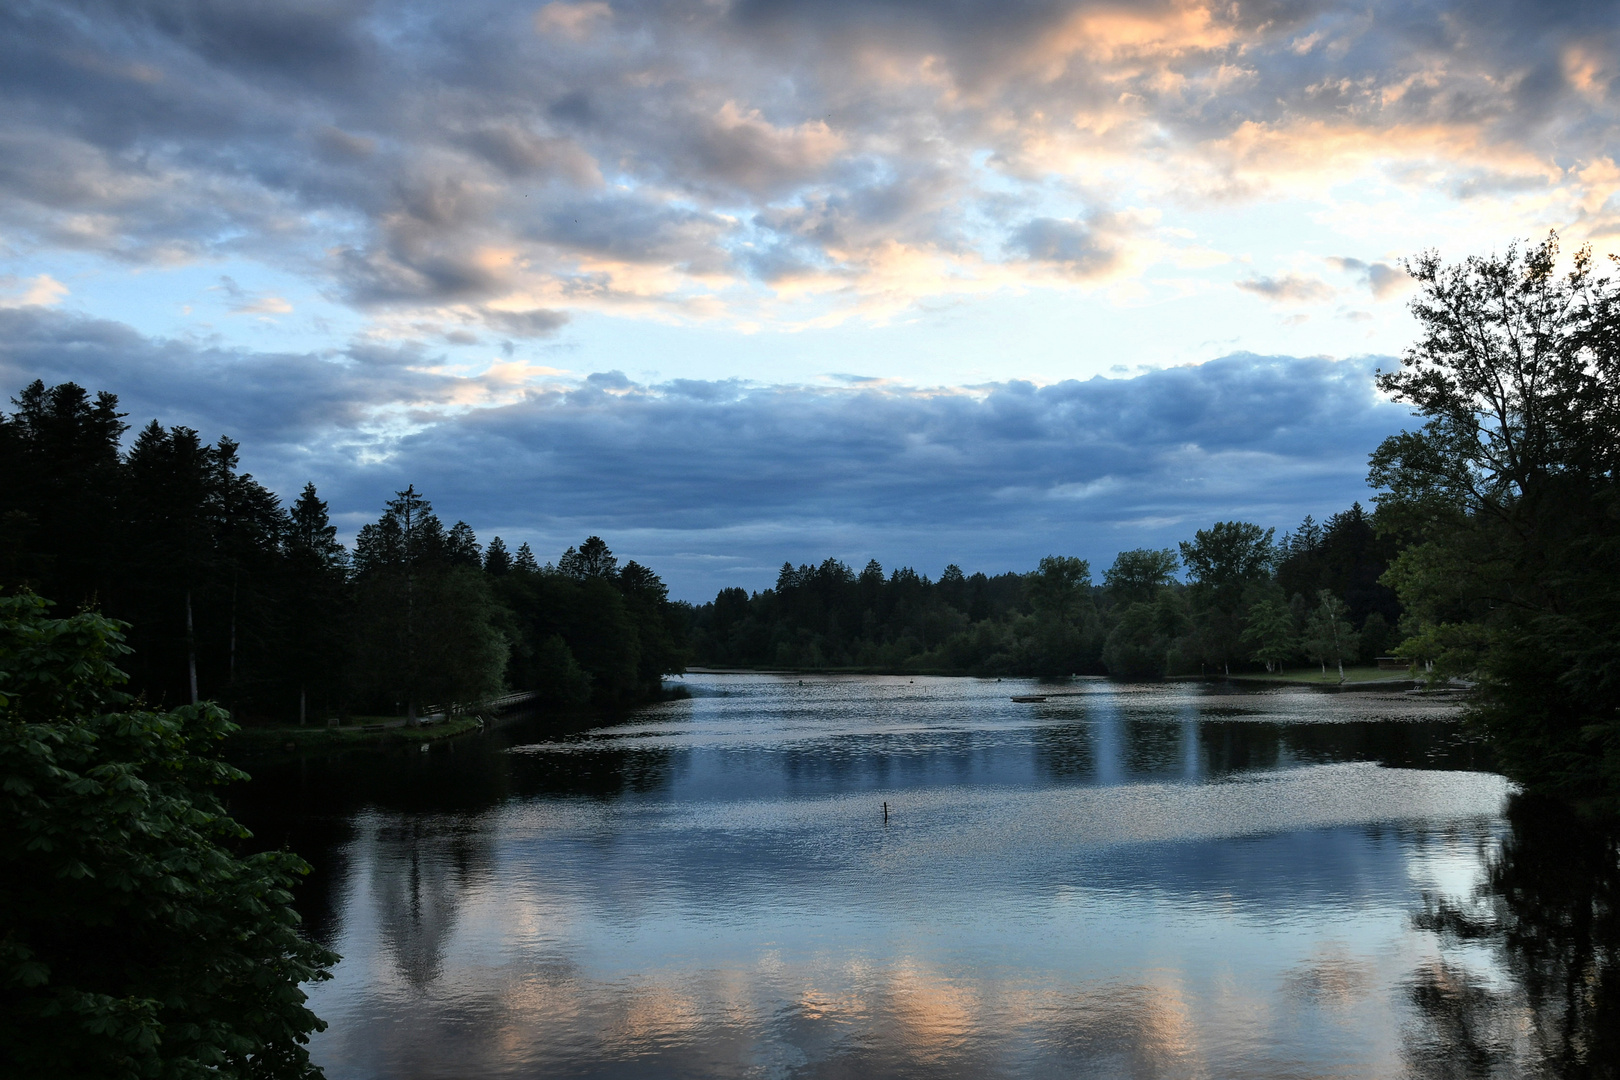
{"x": 593, "y": 559}
{"x": 171, "y": 545}
{"x": 314, "y": 599}
{"x": 60, "y": 457}
{"x": 425, "y": 625}
{"x": 461, "y": 546}
{"x": 497, "y": 560}
{"x": 246, "y": 522}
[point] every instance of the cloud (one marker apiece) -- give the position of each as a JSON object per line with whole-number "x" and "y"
{"x": 1382, "y": 280}
{"x": 290, "y": 406}
{"x": 245, "y": 302}
{"x": 741, "y": 148}
{"x": 342, "y": 146}
{"x": 765, "y": 159}
{"x": 1084, "y": 249}
{"x": 991, "y": 476}
{"x": 572, "y": 21}
{"x": 1288, "y": 289}
{"x": 41, "y": 290}
{"x": 537, "y": 322}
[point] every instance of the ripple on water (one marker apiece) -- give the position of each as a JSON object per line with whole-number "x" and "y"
{"x": 1149, "y": 881}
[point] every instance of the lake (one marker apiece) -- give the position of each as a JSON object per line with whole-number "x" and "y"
{"x": 1167, "y": 880}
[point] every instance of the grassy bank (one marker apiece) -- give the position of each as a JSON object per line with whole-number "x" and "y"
{"x": 954, "y": 673}
{"x": 1309, "y": 676}
{"x": 1313, "y": 676}
{"x": 368, "y": 731}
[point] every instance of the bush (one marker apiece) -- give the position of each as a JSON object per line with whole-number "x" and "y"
{"x": 136, "y": 943}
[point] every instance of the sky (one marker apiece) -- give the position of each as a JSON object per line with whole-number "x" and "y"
{"x": 733, "y": 283}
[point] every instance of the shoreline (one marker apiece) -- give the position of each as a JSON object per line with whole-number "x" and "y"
{"x": 257, "y": 741}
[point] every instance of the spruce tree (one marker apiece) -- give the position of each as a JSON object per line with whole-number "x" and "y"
{"x": 461, "y": 546}
{"x": 168, "y": 552}
{"x": 497, "y": 561}
{"x": 314, "y": 601}
{"x": 60, "y": 456}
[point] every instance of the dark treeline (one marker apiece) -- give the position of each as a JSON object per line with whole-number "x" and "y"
{"x": 1248, "y": 601}
{"x": 233, "y": 597}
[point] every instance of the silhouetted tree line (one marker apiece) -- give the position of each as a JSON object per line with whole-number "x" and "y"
{"x": 233, "y": 597}
{"x": 1247, "y": 602}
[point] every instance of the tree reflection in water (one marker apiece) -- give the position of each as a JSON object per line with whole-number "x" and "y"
{"x": 427, "y": 812}
{"x": 421, "y": 870}
{"x": 1549, "y": 913}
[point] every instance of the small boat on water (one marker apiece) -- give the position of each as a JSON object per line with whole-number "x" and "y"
{"x": 1029, "y": 697}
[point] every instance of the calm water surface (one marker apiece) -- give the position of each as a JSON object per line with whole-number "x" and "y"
{"x": 1141, "y": 881}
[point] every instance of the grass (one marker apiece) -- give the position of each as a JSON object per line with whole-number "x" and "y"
{"x": 356, "y": 733}
{"x": 1313, "y": 676}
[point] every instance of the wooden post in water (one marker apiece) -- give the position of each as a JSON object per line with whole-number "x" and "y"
{"x": 885, "y": 813}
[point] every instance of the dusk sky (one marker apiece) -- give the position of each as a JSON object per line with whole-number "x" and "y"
{"x": 733, "y": 283}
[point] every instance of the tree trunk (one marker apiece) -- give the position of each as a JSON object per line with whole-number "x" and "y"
{"x": 232, "y": 679}
{"x": 410, "y": 619}
{"x": 191, "y": 648}
{"x": 1341, "y": 669}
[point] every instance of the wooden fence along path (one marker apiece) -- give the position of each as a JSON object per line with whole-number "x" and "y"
{"x": 435, "y": 713}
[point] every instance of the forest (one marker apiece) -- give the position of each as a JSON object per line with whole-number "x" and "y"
{"x": 232, "y": 597}
{"x": 1232, "y": 598}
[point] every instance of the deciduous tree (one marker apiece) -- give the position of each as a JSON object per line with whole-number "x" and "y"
{"x": 136, "y": 942}
{"x": 1329, "y": 637}
{"x": 1509, "y": 489}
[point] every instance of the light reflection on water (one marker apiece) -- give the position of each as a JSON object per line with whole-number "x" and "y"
{"x": 1156, "y": 881}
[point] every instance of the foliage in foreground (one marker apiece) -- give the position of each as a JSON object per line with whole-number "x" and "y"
{"x": 136, "y": 944}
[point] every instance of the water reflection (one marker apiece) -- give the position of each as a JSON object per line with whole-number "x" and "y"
{"x": 1065, "y": 752}
{"x": 1145, "y": 881}
{"x": 420, "y": 868}
{"x": 1547, "y": 914}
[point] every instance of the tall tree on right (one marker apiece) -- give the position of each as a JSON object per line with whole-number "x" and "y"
{"x": 1512, "y": 492}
